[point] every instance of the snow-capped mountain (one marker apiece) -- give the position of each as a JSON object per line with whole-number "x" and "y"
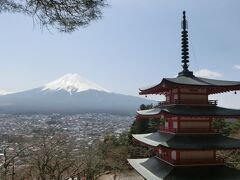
{"x": 3, "y": 92}
{"x": 72, "y": 83}
{"x": 69, "y": 94}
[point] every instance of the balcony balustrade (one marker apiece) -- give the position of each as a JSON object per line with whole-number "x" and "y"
{"x": 189, "y": 130}
{"x": 190, "y": 162}
{"x": 209, "y": 102}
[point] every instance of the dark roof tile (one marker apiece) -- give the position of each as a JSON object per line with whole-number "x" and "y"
{"x": 155, "y": 169}
{"x": 188, "y": 141}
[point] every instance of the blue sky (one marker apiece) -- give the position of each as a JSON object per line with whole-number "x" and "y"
{"x": 135, "y": 44}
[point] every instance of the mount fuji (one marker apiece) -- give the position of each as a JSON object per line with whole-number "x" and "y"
{"x": 72, "y": 83}
{"x": 69, "y": 94}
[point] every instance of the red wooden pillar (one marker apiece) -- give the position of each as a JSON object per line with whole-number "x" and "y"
{"x": 179, "y": 124}
{"x": 214, "y": 155}
{"x": 210, "y": 125}
{"x": 178, "y": 157}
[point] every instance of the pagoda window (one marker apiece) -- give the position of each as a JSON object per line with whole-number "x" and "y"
{"x": 159, "y": 152}
{"x": 175, "y": 97}
{"x": 169, "y": 124}
{"x": 166, "y": 124}
{"x": 162, "y": 118}
{"x": 175, "y": 124}
{"x": 163, "y": 152}
{"x": 174, "y": 155}
{"x": 167, "y": 98}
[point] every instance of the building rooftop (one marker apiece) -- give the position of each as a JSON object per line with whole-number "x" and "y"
{"x": 212, "y": 85}
{"x": 155, "y": 169}
{"x": 188, "y": 141}
{"x": 189, "y": 110}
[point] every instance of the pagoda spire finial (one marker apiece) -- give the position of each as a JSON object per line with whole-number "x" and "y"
{"x": 185, "y": 50}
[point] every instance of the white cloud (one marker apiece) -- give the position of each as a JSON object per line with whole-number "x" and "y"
{"x": 237, "y": 67}
{"x": 205, "y": 73}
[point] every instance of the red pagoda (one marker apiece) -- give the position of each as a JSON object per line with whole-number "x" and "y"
{"x": 186, "y": 144}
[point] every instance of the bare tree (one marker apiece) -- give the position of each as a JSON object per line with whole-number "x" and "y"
{"x": 92, "y": 163}
{"x": 65, "y": 15}
{"x": 53, "y": 158}
{"x": 12, "y": 153}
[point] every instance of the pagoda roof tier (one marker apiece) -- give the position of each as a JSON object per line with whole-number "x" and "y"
{"x": 188, "y": 141}
{"x": 213, "y": 86}
{"x": 155, "y": 169}
{"x": 187, "y": 110}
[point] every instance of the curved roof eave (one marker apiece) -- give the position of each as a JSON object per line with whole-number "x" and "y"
{"x": 151, "y": 168}
{"x": 191, "y": 81}
{"x": 152, "y": 89}
{"x": 188, "y": 141}
{"x": 155, "y": 169}
{"x": 186, "y": 110}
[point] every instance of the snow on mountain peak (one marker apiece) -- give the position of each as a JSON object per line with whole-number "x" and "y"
{"x": 3, "y": 92}
{"x": 72, "y": 83}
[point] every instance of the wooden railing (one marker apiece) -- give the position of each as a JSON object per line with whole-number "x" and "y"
{"x": 209, "y": 102}
{"x": 189, "y": 130}
{"x": 212, "y": 102}
{"x": 203, "y": 161}
{"x": 192, "y": 161}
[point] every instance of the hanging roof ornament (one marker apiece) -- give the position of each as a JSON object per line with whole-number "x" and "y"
{"x": 185, "y": 50}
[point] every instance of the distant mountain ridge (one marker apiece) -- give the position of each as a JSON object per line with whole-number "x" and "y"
{"x": 69, "y": 94}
